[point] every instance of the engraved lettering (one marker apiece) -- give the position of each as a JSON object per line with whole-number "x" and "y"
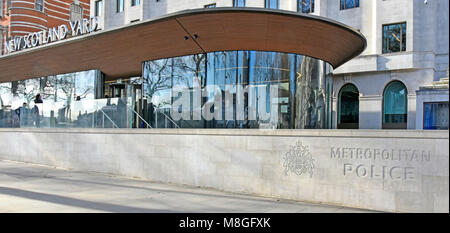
{"x": 347, "y": 168}
{"x": 367, "y": 154}
{"x": 335, "y": 153}
{"x": 361, "y": 171}
{"x": 391, "y": 171}
{"x": 425, "y": 156}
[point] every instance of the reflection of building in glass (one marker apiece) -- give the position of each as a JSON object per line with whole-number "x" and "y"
{"x": 396, "y": 48}
{"x": 58, "y": 95}
{"x": 236, "y": 87}
{"x": 378, "y": 89}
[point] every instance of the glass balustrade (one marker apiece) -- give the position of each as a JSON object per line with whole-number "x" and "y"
{"x": 98, "y": 113}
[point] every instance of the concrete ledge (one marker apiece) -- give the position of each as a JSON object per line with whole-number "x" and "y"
{"x": 396, "y": 171}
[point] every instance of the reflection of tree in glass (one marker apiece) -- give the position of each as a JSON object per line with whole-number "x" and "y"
{"x": 84, "y": 84}
{"x": 33, "y": 87}
{"x": 156, "y": 76}
{"x": 5, "y": 95}
{"x": 49, "y": 85}
{"x": 66, "y": 84}
{"x": 270, "y": 68}
{"x": 186, "y": 68}
{"x": 18, "y": 91}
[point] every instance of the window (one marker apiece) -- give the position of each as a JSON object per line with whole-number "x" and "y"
{"x": 394, "y": 38}
{"x": 395, "y": 106}
{"x": 242, "y": 89}
{"x": 135, "y": 2}
{"x": 119, "y": 6}
{"x": 435, "y": 116}
{"x": 305, "y": 6}
{"x": 98, "y": 8}
{"x": 348, "y": 107}
{"x": 210, "y": 5}
{"x": 39, "y": 5}
{"x": 348, "y": 4}
{"x": 76, "y": 12}
{"x": 238, "y": 3}
{"x": 1, "y": 40}
{"x": 273, "y": 4}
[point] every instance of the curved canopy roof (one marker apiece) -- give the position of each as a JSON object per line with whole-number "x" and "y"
{"x": 119, "y": 52}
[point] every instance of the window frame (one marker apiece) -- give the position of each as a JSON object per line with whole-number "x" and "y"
{"x": 394, "y": 125}
{"x": 423, "y": 113}
{"x": 267, "y": 3}
{"x": 1, "y": 39}
{"x": 384, "y": 40}
{"x": 70, "y": 11}
{"x": 39, "y": 5}
{"x": 343, "y": 6}
{"x": 98, "y": 10}
{"x": 135, "y": 2}
{"x": 120, "y": 6}
{"x": 311, "y": 8}
{"x": 1, "y": 10}
{"x": 236, "y": 3}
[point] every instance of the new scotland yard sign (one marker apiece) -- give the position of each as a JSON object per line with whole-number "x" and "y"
{"x": 61, "y": 32}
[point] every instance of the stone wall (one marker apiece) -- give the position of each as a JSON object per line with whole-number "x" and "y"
{"x": 395, "y": 171}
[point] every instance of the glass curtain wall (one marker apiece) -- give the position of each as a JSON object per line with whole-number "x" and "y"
{"x": 237, "y": 89}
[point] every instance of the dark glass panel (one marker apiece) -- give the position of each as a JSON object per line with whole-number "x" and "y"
{"x": 348, "y": 107}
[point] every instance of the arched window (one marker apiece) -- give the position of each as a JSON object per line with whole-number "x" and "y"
{"x": 395, "y": 106}
{"x": 348, "y": 107}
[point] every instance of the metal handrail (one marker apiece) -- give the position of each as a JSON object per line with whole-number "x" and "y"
{"x": 167, "y": 117}
{"x": 104, "y": 114}
{"x": 140, "y": 117}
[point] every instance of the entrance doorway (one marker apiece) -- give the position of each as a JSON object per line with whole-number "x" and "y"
{"x": 348, "y": 107}
{"x": 128, "y": 90}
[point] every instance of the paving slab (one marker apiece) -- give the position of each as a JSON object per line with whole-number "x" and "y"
{"x": 31, "y": 188}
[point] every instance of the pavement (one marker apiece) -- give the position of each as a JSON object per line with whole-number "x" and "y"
{"x": 31, "y": 188}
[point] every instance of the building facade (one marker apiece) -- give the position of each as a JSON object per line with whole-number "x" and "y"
{"x": 19, "y": 18}
{"x": 407, "y": 48}
{"x": 182, "y": 78}
{"x": 199, "y": 64}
